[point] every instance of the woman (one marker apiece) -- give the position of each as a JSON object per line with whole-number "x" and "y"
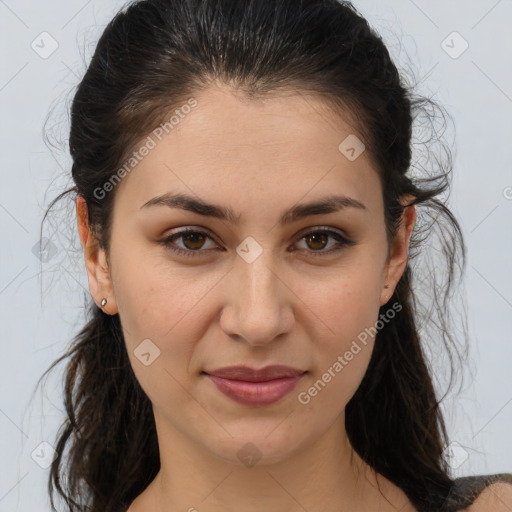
{"x": 248, "y": 220}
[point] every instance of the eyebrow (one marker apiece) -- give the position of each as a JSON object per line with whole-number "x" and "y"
{"x": 325, "y": 205}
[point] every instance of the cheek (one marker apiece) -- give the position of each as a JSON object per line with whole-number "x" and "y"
{"x": 343, "y": 352}
{"x": 170, "y": 307}
{"x": 167, "y": 308}
{"x": 347, "y": 310}
{"x": 156, "y": 297}
{"x": 345, "y": 301}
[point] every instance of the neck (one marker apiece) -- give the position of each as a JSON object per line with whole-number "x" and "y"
{"x": 325, "y": 476}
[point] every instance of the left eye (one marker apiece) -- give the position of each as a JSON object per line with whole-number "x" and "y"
{"x": 194, "y": 239}
{"x": 319, "y": 237}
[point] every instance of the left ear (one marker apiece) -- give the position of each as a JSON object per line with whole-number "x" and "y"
{"x": 398, "y": 251}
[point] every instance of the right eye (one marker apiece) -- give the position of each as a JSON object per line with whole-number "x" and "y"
{"x": 193, "y": 238}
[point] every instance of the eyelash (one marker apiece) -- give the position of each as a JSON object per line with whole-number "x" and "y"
{"x": 342, "y": 242}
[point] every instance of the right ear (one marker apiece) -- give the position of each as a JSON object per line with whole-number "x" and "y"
{"x": 100, "y": 284}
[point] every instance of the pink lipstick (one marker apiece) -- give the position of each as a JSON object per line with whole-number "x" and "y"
{"x": 253, "y": 387}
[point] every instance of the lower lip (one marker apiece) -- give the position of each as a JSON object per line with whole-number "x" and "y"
{"x": 256, "y": 393}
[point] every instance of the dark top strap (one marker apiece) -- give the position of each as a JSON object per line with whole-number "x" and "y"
{"x": 466, "y": 490}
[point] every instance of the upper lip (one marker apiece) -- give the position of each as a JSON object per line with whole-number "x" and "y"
{"x": 249, "y": 374}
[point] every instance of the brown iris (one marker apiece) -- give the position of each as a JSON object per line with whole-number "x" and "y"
{"x": 317, "y": 238}
{"x": 196, "y": 238}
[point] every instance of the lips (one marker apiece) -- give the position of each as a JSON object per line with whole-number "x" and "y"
{"x": 256, "y": 387}
{"x": 248, "y": 374}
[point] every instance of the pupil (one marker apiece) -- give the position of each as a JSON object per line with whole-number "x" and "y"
{"x": 316, "y": 238}
{"x": 195, "y": 237}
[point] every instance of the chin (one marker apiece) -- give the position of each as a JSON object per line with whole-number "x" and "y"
{"x": 257, "y": 446}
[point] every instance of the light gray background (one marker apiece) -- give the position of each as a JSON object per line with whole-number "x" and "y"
{"x": 41, "y": 303}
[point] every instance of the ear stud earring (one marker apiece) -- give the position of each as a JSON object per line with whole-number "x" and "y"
{"x": 103, "y": 303}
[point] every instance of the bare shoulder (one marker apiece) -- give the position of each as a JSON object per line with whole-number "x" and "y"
{"x": 496, "y": 497}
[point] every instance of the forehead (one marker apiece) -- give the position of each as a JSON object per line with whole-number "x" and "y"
{"x": 281, "y": 148}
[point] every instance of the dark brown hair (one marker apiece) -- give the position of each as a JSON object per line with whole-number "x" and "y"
{"x": 152, "y": 57}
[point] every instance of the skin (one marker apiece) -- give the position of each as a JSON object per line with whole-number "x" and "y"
{"x": 494, "y": 498}
{"x": 287, "y": 307}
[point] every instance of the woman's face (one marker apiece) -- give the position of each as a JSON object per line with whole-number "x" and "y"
{"x": 260, "y": 287}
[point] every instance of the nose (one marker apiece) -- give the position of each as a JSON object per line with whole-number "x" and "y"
{"x": 259, "y": 302}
